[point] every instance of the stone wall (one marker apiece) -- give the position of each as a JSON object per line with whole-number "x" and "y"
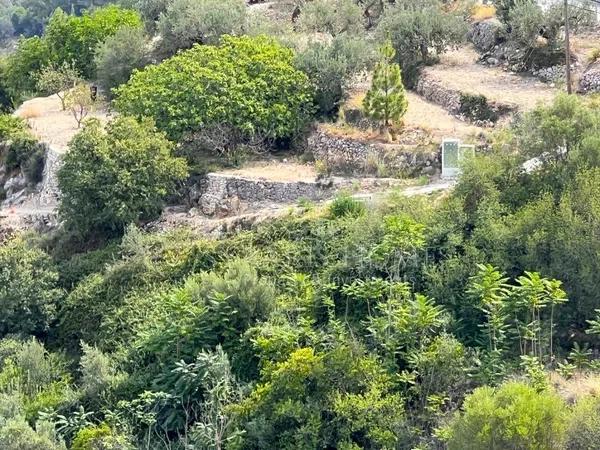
{"x": 224, "y": 195}
{"x": 452, "y": 100}
{"x": 437, "y": 93}
{"x": 352, "y": 156}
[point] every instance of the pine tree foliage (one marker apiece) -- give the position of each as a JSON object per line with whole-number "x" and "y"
{"x": 386, "y": 100}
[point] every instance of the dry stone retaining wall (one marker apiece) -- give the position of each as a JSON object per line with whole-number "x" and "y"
{"x": 352, "y": 156}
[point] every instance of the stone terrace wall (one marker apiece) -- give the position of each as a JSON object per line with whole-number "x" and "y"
{"x": 451, "y": 99}
{"x": 352, "y": 156}
{"x": 224, "y": 195}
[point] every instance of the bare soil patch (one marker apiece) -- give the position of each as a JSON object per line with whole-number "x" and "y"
{"x": 50, "y": 124}
{"x": 458, "y": 70}
{"x": 275, "y": 171}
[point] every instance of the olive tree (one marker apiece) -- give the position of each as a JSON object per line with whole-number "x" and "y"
{"x": 187, "y": 22}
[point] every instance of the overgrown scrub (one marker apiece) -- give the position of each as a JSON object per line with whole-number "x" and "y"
{"x": 420, "y": 32}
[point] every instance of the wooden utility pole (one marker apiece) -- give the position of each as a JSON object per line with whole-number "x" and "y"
{"x": 567, "y": 48}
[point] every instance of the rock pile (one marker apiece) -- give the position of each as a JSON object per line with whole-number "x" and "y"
{"x": 590, "y": 80}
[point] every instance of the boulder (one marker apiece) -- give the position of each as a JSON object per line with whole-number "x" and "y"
{"x": 485, "y": 35}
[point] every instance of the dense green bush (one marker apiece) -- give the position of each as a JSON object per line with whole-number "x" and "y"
{"x": 119, "y": 55}
{"x": 345, "y": 205}
{"x": 117, "y": 176}
{"x": 20, "y": 150}
{"x": 512, "y": 416}
{"x": 331, "y": 66}
{"x": 248, "y": 83}
{"x": 22, "y": 67}
{"x": 331, "y": 16}
{"x": 28, "y": 289}
{"x": 420, "y": 34}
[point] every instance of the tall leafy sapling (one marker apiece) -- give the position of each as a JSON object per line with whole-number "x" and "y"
{"x": 58, "y": 80}
{"x": 386, "y": 100}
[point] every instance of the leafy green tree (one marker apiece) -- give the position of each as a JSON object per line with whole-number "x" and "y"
{"x": 24, "y": 65}
{"x": 248, "y": 83}
{"x": 188, "y": 22}
{"x": 73, "y": 39}
{"x": 79, "y": 101}
{"x": 386, "y": 100}
{"x": 330, "y": 67}
{"x": 514, "y": 415}
{"x": 420, "y": 33}
{"x": 28, "y": 289}
{"x": 331, "y": 16}
{"x": 58, "y": 80}
{"x": 117, "y": 176}
{"x": 119, "y": 55}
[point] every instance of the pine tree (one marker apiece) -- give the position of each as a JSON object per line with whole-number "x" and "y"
{"x": 386, "y": 100}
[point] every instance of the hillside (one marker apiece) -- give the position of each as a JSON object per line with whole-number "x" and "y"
{"x": 320, "y": 224}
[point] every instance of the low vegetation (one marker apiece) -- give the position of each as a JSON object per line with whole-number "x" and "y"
{"x": 464, "y": 320}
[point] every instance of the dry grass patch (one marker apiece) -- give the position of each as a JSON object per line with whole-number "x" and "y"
{"x": 580, "y": 385}
{"x": 31, "y": 111}
{"x": 483, "y": 12}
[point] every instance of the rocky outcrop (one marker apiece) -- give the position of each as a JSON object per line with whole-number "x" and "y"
{"x": 356, "y": 157}
{"x": 487, "y": 34}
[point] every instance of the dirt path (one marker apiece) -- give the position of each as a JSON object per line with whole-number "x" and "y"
{"x": 458, "y": 70}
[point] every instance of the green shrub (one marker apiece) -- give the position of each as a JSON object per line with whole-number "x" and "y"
{"x": 119, "y": 55}
{"x": 23, "y": 66}
{"x": 247, "y": 83}
{"x": 476, "y": 107}
{"x": 420, "y": 34}
{"x": 330, "y": 66}
{"x": 344, "y": 205}
{"x": 117, "y": 176}
{"x": 514, "y": 415}
{"x": 28, "y": 289}
{"x": 101, "y": 437}
{"x": 10, "y": 125}
{"x": 583, "y": 428}
{"x": 331, "y": 16}
{"x": 16, "y": 434}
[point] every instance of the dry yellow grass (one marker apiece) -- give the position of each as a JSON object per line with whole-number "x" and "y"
{"x": 30, "y": 112}
{"x": 483, "y": 12}
{"x": 582, "y": 384}
{"x": 275, "y": 171}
